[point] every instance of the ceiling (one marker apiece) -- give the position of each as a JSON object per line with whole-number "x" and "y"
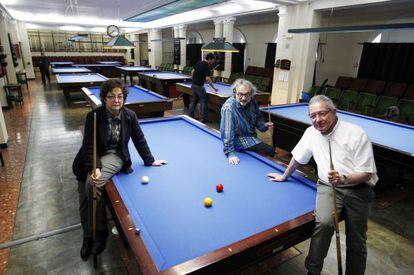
{"x": 95, "y": 15}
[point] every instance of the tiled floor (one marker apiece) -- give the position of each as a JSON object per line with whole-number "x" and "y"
{"x": 48, "y": 201}
{"x": 18, "y": 122}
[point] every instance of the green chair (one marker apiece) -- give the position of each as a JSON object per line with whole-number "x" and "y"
{"x": 314, "y": 90}
{"x": 406, "y": 108}
{"x": 365, "y": 103}
{"x": 22, "y": 78}
{"x": 383, "y": 103}
{"x": 347, "y": 100}
{"x": 187, "y": 70}
{"x": 14, "y": 93}
{"x": 265, "y": 81}
{"x": 333, "y": 93}
{"x": 161, "y": 67}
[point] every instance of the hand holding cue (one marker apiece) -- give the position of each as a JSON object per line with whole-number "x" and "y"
{"x": 269, "y": 118}
{"x": 335, "y": 216}
{"x": 95, "y": 257}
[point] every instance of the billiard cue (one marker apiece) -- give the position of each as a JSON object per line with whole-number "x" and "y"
{"x": 215, "y": 67}
{"x": 335, "y": 217}
{"x": 270, "y": 120}
{"x": 268, "y": 112}
{"x": 95, "y": 256}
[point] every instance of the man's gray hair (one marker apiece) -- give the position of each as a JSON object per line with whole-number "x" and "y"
{"x": 243, "y": 82}
{"x": 323, "y": 98}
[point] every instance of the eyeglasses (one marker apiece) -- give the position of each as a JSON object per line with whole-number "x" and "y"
{"x": 321, "y": 114}
{"x": 112, "y": 97}
{"x": 240, "y": 95}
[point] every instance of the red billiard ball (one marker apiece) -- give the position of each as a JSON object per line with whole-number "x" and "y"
{"x": 219, "y": 187}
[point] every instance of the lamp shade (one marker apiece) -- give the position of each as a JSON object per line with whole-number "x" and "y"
{"x": 220, "y": 46}
{"x": 120, "y": 41}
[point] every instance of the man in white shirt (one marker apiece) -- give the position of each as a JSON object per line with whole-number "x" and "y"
{"x": 354, "y": 174}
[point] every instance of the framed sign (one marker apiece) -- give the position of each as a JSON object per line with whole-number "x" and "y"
{"x": 177, "y": 51}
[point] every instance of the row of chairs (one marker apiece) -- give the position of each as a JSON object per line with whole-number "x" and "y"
{"x": 187, "y": 70}
{"x": 393, "y": 108}
{"x": 168, "y": 67}
{"x": 262, "y": 83}
{"x": 377, "y": 87}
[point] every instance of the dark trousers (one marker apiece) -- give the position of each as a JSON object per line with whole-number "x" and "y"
{"x": 44, "y": 72}
{"x": 199, "y": 95}
{"x": 354, "y": 204}
{"x": 262, "y": 148}
{"x": 111, "y": 164}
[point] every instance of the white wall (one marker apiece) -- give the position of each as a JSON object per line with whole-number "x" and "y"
{"x": 342, "y": 52}
{"x": 206, "y": 34}
{"x": 257, "y": 36}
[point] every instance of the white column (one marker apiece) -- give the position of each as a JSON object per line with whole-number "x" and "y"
{"x": 228, "y": 27}
{"x": 14, "y": 34}
{"x": 11, "y": 72}
{"x": 218, "y": 28}
{"x": 25, "y": 49}
{"x": 4, "y": 137}
{"x": 137, "y": 51}
{"x": 182, "y": 33}
{"x": 300, "y": 49}
{"x": 155, "y": 56}
{"x": 218, "y": 33}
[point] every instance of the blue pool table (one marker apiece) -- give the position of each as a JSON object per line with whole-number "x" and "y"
{"x": 69, "y": 70}
{"x": 117, "y": 63}
{"x": 72, "y": 84}
{"x": 106, "y": 69}
{"x": 61, "y": 63}
{"x": 216, "y": 99}
{"x": 393, "y": 142}
{"x": 132, "y": 71}
{"x": 162, "y": 82}
{"x": 144, "y": 102}
{"x": 165, "y": 223}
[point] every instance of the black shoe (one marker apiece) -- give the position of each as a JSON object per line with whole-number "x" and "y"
{"x": 129, "y": 170}
{"x": 310, "y": 273}
{"x": 86, "y": 249}
{"x": 99, "y": 247}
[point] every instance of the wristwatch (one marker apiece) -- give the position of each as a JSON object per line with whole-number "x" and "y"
{"x": 346, "y": 180}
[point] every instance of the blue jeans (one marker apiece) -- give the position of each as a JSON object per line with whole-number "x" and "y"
{"x": 199, "y": 95}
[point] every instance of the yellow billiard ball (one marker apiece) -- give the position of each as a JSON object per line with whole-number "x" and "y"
{"x": 208, "y": 202}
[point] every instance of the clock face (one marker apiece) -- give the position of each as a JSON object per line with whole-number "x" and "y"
{"x": 112, "y": 30}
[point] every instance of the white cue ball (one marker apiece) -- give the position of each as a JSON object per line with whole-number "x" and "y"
{"x": 145, "y": 179}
